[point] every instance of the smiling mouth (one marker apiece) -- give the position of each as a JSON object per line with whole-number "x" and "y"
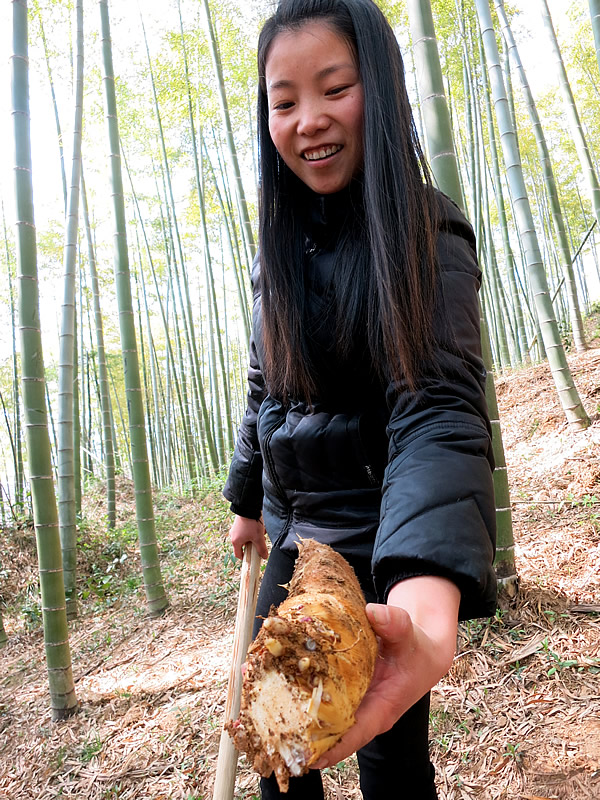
{"x": 324, "y": 152}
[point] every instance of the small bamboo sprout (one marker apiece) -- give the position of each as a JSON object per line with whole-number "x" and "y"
{"x": 307, "y": 670}
{"x": 274, "y": 647}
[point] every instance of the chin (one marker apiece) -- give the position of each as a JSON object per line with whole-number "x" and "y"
{"x": 327, "y": 187}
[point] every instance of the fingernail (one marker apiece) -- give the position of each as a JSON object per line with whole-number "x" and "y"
{"x": 380, "y": 613}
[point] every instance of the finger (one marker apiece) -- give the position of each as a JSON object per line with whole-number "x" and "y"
{"x": 358, "y": 736}
{"x": 261, "y": 546}
{"x": 238, "y": 551}
{"x": 371, "y": 719}
{"x": 258, "y": 540}
{"x": 391, "y": 623}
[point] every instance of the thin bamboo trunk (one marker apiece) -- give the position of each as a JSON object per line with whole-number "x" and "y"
{"x": 17, "y": 436}
{"x": 149, "y": 414}
{"x": 233, "y": 245}
{"x": 186, "y": 307}
{"x": 158, "y": 462}
{"x": 595, "y": 16}
{"x": 76, "y": 416}
{"x": 105, "y": 405}
{"x": 549, "y": 182}
{"x": 215, "y": 331}
{"x": 423, "y": 29}
{"x": 579, "y": 140}
{"x": 67, "y": 515}
{"x": 88, "y": 428}
{"x": 153, "y": 585}
{"x": 183, "y": 407}
{"x": 58, "y": 657}
{"x": 511, "y": 267}
{"x": 9, "y": 432}
{"x": 239, "y": 186}
{"x": 191, "y": 414}
{"x": 568, "y": 394}
{"x": 497, "y": 290}
{"x": 168, "y": 380}
{"x": 54, "y": 103}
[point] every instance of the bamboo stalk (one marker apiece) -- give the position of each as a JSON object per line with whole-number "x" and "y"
{"x": 423, "y": 29}
{"x": 565, "y": 386}
{"x": 105, "y": 405}
{"x": 578, "y": 136}
{"x": 58, "y": 657}
{"x": 18, "y": 448}
{"x": 549, "y": 181}
{"x": 153, "y": 584}
{"x": 66, "y": 469}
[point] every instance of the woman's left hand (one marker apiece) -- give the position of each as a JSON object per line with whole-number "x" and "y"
{"x": 412, "y": 657}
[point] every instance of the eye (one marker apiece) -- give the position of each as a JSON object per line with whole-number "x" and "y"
{"x": 282, "y": 106}
{"x": 337, "y": 90}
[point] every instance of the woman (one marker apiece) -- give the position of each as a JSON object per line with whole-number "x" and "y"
{"x": 366, "y": 425}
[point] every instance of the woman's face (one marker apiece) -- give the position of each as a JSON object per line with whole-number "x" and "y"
{"x": 316, "y": 105}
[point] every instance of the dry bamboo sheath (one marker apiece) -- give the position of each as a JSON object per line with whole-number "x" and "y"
{"x": 228, "y": 755}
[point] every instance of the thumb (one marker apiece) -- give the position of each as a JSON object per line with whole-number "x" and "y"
{"x": 391, "y": 623}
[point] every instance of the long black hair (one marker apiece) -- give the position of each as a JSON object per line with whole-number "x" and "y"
{"x": 387, "y": 283}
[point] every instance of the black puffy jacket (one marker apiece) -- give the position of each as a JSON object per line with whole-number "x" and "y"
{"x": 404, "y": 476}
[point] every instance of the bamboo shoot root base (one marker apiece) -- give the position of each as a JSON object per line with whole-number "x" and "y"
{"x": 307, "y": 670}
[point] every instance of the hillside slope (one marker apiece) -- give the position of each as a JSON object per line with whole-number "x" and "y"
{"x": 517, "y": 718}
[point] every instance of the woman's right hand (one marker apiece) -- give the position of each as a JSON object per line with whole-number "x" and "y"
{"x": 246, "y": 530}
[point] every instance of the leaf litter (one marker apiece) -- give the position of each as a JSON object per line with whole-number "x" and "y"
{"x": 517, "y": 718}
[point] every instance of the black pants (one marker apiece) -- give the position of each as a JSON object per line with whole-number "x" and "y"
{"x": 395, "y": 765}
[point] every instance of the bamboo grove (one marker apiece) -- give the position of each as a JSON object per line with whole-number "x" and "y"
{"x": 135, "y": 284}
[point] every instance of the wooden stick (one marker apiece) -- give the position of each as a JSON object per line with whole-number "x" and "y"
{"x": 228, "y": 755}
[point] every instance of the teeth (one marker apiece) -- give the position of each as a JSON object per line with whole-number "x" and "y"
{"x": 316, "y": 155}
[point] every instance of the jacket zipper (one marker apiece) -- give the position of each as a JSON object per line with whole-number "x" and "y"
{"x": 270, "y": 462}
{"x": 275, "y": 480}
{"x": 285, "y": 530}
{"x": 371, "y": 475}
{"x": 361, "y": 453}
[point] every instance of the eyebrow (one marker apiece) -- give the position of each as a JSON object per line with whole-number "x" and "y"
{"x": 285, "y": 84}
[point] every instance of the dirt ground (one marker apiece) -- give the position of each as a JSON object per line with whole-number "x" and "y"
{"x": 517, "y": 718}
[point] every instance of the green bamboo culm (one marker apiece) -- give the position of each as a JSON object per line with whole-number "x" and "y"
{"x": 17, "y": 427}
{"x": 60, "y": 677}
{"x": 186, "y": 304}
{"x": 504, "y": 561}
{"x": 557, "y": 360}
{"x": 153, "y": 585}
{"x": 434, "y": 107}
{"x": 238, "y": 184}
{"x": 520, "y": 337}
{"x": 105, "y": 405}
{"x": 67, "y": 510}
{"x": 549, "y": 182}
{"x": 577, "y": 134}
{"x": 442, "y": 154}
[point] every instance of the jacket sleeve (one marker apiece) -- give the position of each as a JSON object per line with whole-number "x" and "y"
{"x": 243, "y": 488}
{"x": 437, "y": 513}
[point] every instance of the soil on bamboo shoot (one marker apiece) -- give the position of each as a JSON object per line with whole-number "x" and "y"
{"x": 307, "y": 670}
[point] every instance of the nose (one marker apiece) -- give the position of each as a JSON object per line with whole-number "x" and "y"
{"x": 311, "y": 119}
